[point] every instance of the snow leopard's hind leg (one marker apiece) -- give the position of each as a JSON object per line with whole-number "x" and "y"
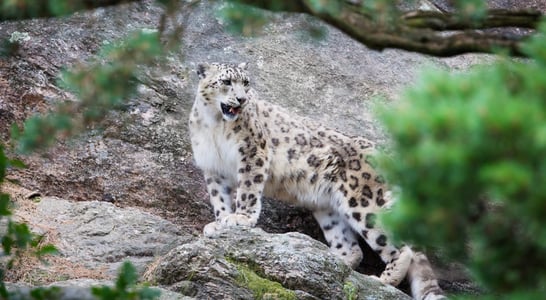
{"x": 361, "y": 216}
{"x": 424, "y": 285}
{"x": 340, "y": 237}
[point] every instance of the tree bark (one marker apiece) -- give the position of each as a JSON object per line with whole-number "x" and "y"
{"x": 434, "y": 33}
{"x": 495, "y": 18}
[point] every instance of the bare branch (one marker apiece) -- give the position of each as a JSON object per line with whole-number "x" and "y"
{"x": 418, "y": 31}
{"x": 494, "y": 18}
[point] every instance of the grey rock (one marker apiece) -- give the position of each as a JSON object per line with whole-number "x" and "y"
{"x": 101, "y": 236}
{"x": 211, "y": 268}
{"x": 334, "y": 80}
{"x": 80, "y": 289}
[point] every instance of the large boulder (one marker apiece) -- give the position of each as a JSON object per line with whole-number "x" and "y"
{"x": 93, "y": 238}
{"x": 244, "y": 263}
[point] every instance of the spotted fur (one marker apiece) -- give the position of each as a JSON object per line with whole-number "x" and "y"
{"x": 252, "y": 148}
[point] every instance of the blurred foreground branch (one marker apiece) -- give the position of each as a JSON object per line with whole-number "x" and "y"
{"x": 27, "y": 9}
{"x": 429, "y": 32}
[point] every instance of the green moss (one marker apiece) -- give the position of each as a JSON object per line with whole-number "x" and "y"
{"x": 261, "y": 287}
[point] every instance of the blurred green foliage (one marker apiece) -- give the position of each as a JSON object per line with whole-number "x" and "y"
{"x": 99, "y": 87}
{"x": 14, "y": 236}
{"x": 248, "y": 20}
{"x": 384, "y": 12}
{"x": 24, "y": 9}
{"x": 243, "y": 19}
{"x": 125, "y": 288}
{"x": 470, "y": 161}
{"x": 42, "y": 293}
{"x": 473, "y": 10}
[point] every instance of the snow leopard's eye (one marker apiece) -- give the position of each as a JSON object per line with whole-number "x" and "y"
{"x": 245, "y": 82}
{"x": 226, "y": 81}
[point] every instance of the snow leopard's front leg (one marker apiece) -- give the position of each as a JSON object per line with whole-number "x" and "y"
{"x": 251, "y": 177}
{"x": 220, "y": 190}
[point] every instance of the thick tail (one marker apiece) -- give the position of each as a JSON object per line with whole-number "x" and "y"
{"x": 424, "y": 285}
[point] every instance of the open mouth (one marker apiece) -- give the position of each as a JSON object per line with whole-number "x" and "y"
{"x": 230, "y": 111}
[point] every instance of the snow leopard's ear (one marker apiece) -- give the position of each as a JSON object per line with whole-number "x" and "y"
{"x": 243, "y": 65}
{"x": 202, "y": 70}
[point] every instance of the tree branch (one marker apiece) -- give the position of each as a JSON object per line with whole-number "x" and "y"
{"x": 494, "y": 18}
{"x": 417, "y": 31}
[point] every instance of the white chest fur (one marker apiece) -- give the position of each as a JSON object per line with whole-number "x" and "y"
{"x": 213, "y": 151}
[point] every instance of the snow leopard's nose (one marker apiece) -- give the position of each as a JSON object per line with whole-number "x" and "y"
{"x": 241, "y": 100}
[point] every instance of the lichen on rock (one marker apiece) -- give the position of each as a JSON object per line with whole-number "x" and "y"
{"x": 262, "y": 288}
{"x": 252, "y": 264}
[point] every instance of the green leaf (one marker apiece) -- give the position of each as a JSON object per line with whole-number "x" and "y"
{"x": 105, "y": 293}
{"x": 17, "y": 164}
{"x": 3, "y": 163}
{"x": 48, "y": 249}
{"x": 5, "y": 204}
{"x": 3, "y": 291}
{"x": 125, "y": 287}
{"x": 127, "y": 276}
{"x": 7, "y": 244}
{"x": 146, "y": 293}
{"x": 39, "y": 293}
{"x": 22, "y": 234}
